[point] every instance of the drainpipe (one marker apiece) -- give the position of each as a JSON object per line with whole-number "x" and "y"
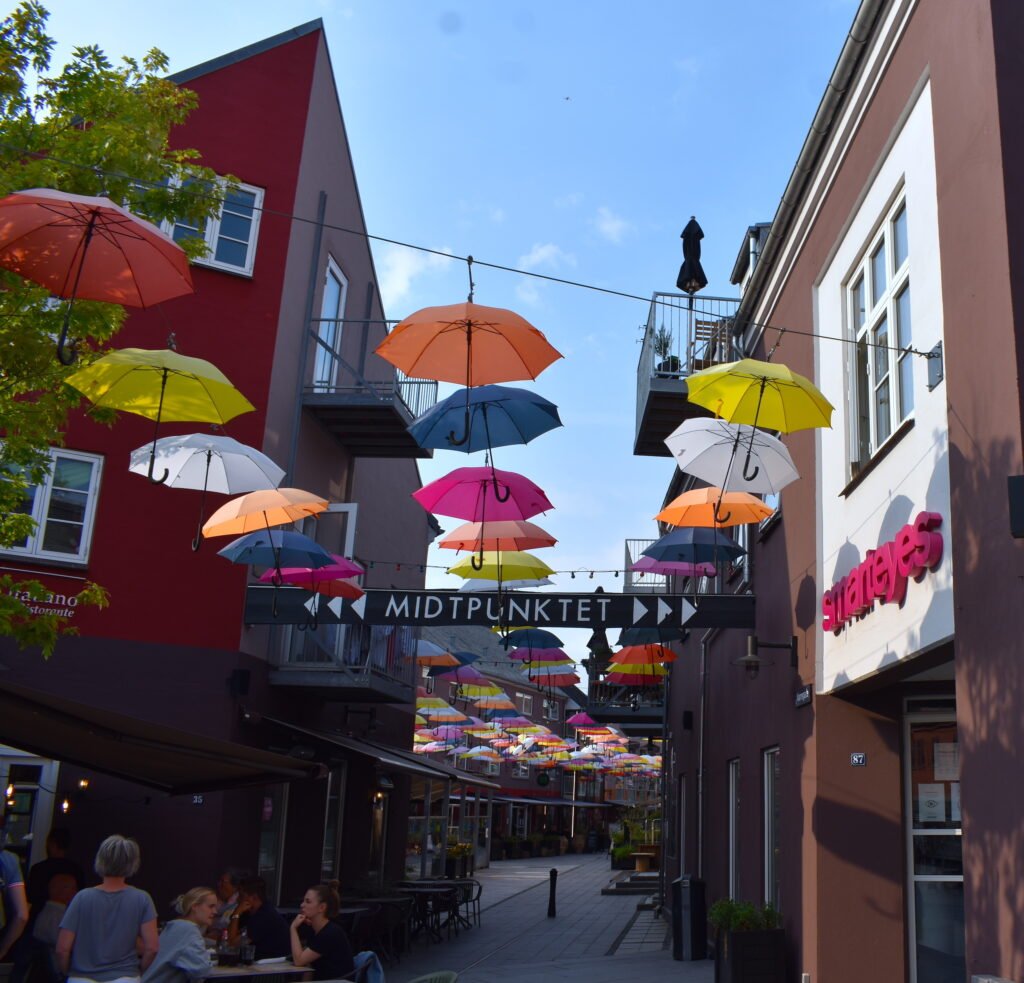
{"x": 704, "y": 642}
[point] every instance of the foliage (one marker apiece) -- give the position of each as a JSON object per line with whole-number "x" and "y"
{"x": 457, "y": 851}
{"x": 93, "y": 127}
{"x": 622, "y": 852}
{"x": 742, "y": 916}
{"x": 663, "y": 342}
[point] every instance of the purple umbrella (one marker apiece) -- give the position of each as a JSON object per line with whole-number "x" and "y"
{"x": 647, "y": 564}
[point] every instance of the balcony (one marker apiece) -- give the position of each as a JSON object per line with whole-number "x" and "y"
{"x": 641, "y": 583}
{"x": 365, "y": 402}
{"x": 349, "y": 663}
{"x": 637, "y": 710}
{"x": 683, "y": 335}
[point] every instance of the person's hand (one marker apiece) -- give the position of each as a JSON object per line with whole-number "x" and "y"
{"x": 243, "y": 906}
{"x": 300, "y": 920}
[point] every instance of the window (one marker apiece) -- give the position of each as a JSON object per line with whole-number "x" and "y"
{"x": 525, "y": 704}
{"x": 332, "y": 312}
{"x": 63, "y": 506}
{"x": 734, "y": 827}
{"x": 774, "y": 501}
{"x": 521, "y": 769}
{"x": 772, "y": 805}
{"x": 492, "y": 767}
{"x": 552, "y": 709}
{"x": 231, "y": 236}
{"x": 878, "y": 309}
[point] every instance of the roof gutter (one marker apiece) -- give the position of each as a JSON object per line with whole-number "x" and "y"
{"x": 821, "y": 127}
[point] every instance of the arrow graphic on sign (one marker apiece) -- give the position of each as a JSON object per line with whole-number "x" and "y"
{"x": 639, "y": 610}
{"x": 664, "y": 610}
{"x": 335, "y": 605}
{"x": 687, "y": 610}
{"x": 359, "y": 606}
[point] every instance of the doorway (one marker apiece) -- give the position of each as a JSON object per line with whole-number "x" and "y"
{"x": 935, "y": 889}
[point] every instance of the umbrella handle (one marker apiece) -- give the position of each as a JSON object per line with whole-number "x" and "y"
{"x": 66, "y": 353}
{"x": 156, "y": 430}
{"x": 498, "y": 497}
{"x": 752, "y": 474}
{"x": 720, "y": 519}
{"x": 197, "y": 542}
{"x": 64, "y": 356}
{"x": 477, "y": 559}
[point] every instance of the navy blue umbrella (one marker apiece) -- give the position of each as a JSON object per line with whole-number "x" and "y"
{"x": 534, "y": 638}
{"x": 276, "y": 548}
{"x": 465, "y": 659}
{"x": 498, "y": 416}
{"x": 695, "y": 544}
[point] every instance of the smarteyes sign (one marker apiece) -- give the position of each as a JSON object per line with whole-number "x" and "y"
{"x": 884, "y": 573}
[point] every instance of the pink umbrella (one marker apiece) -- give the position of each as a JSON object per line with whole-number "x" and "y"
{"x": 483, "y": 494}
{"x": 446, "y": 732}
{"x": 564, "y": 679}
{"x": 329, "y": 580}
{"x": 581, "y": 719}
{"x": 647, "y": 564}
{"x": 538, "y": 655}
{"x": 341, "y": 569}
{"x": 462, "y": 674}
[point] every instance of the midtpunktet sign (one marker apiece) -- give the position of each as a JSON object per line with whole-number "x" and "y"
{"x": 884, "y": 573}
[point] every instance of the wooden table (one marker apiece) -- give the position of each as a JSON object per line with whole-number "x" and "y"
{"x": 286, "y": 970}
{"x": 643, "y": 862}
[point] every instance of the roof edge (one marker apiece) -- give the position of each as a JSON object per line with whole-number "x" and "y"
{"x": 249, "y": 51}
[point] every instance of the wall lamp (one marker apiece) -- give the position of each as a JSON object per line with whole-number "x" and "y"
{"x": 752, "y": 662}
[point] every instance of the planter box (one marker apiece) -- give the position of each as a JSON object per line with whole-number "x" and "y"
{"x": 626, "y": 864}
{"x": 751, "y": 957}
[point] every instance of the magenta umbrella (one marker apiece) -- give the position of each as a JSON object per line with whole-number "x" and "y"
{"x": 647, "y": 564}
{"x": 462, "y": 674}
{"x": 341, "y": 569}
{"x": 446, "y": 732}
{"x": 581, "y": 719}
{"x": 538, "y": 655}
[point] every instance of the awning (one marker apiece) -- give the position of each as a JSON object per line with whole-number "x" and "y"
{"x": 140, "y": 751}
{"x": 578, "y": 803}
{"x": 388, "y": 757}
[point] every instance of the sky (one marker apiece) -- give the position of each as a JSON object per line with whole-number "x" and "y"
{"x": 568, "y": 138}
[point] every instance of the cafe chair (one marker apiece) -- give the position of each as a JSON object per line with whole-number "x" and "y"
{"x": 445, "y": 976}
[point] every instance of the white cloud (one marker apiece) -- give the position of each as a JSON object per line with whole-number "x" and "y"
{"x": 399, "y": 266}
{"x": 527, "y": 292}
{"x": 613, "y": 227}
{"x": 570, "y": 200}
{"x": 546, "y": 254}
{"x": 497, "y": 214}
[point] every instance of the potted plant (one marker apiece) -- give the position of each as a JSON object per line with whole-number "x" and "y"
{"x": 750, "y": 945}
{"x": 666, "y": 361}
{"x": 457, "y": 859}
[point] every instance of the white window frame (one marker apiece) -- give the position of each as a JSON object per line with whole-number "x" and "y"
{"x": 520, "y": 769}
{"x": 771, "y": 833}
{"x": 492, "y": 767}
{"x": 212, "y": 231}
{"x": 552, "y": 709}
{"x": 734, "y": 828}
{"x": 329, "y": 330}
{"x": 875, "y": 312}
{"x": 40, "y": 506}
{"x": 525, "y": 704}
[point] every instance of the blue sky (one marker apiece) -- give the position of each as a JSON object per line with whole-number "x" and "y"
{"x": 570, "y": 138}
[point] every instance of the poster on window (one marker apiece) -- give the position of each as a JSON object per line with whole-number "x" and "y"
{"x": 947, "y": 761}
{"x": 931, "y": 802}
{"x": 954, "y": 802}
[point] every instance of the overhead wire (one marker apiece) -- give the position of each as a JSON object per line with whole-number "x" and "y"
{"x": 501, "y": 267}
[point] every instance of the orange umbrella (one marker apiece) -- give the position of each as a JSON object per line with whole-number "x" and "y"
{"x": 712, "y": 507}
{"x": 500, "y": 535}
{"x": 468, "y": 344}
{"x": 634, "y": 655}
{"x": 262, "y": 509}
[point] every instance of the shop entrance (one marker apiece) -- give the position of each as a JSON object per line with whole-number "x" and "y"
{"x": 934, "y": 842}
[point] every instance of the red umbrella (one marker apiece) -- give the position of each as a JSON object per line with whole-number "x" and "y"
{"x": 78, "y": 246}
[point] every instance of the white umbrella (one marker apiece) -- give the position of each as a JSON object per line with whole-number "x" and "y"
{"x": 706, "y": 448}
{"x": 493, "y": 585}
{"x": 209, "y": 462}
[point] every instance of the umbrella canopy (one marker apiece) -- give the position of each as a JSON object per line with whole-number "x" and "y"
{"x": 498, "y": 565}
{"x": 713, "y": 507}
{"x": 160, "y": 385}
{"x": 80, "y": 246}
{"x": 429, "y": 654}
{"x": 707, "y": 450}
{"x": 499, "y": 701}
{"x": 537, "y": 638}
{"x": 555, "y": 667}
{"x": 212, "y": 462}
{"x": 528, "y": 654}
{"x": 276, "y": 547}
{"x": 695, "y": 545}
{"x": 261, "y": 509}
{"x": 634, "y": 675}
{"x": 467, "y": 344}
{"x": 470, "y": 691}
{"x": 476, "y": 584}
{"x": 508, "y": 534}
{"x": 561, "y": 679}
{"x": 481, "y": 494}
{"x": 457, "y": 674}
{"x": 633, "y": 655}
{"x": 499, "y": 416}
{"x": 330, "y": 580}
{"x": 647, "y": 564}
{"x": 581, "y": 719}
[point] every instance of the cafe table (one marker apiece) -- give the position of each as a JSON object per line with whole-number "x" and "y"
{"x": 286, "y": 972}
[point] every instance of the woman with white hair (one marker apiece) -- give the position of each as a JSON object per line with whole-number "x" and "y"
{"x": 98, "y": 934}
{"x": 183, "y": 955}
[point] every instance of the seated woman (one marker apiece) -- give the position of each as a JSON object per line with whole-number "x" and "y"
{"x": 183, "y": 954}
{"x": 255, "y": 915}
{"x": 327, "y": 949}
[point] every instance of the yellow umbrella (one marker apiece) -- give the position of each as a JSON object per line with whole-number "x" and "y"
{"x": 261, "y": 510}
{"x": 471, "y": 691}
{"x": 160, "y": 385}
{"x": 505, "y": 565}
{"x": 701, "y": 507}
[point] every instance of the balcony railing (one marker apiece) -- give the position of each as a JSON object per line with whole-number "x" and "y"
{"x": 641, "y": 583}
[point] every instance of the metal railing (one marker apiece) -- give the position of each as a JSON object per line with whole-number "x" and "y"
{"x": 641, "y": 583}
{"x": 630, "y": 697}
{"x": 384, "y": 651}
{"x": 684, "y": 334}
{"x": 338, "y": 366}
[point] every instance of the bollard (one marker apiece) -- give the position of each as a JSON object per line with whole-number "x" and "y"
{"x": 551, "y": 893}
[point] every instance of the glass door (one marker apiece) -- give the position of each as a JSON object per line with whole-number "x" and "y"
{"x": 934, "y": 848}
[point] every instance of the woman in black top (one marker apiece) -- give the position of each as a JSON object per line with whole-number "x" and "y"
{"x": 327, "y": 949}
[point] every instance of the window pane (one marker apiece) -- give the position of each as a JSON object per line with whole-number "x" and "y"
{"x": 879, "y": 277}
{"x": 62, "y": 537}
{"x": 880, "y": 337}
{"x": 67, "y": 506}
{"x": 863, "y": 383}
{"x": 899, "y": 237}
{"x": 941, "y": 855}
{"x": 231, "y": 252}
{"x": 69, "y": 472}
{"x": 906, "y": 362}
{"x": 184, "y": 231}
{"x": 239, "y": 202}
{"x": 331, "y": 307}
{"x": 882, "y": 412}
{"x": 858, "y": 303}
{"x": 939, "y": 914}
{"x": 235, "y": 227}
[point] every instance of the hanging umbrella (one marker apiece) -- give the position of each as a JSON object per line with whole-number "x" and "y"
{"x": 160, "y": 385}
{"x": 332, "y": 580}
{"x": 508, "y": 534}
{"x": 499, "y": 416}
{"x": 471, "y": 691}
{"x": 497, "y": 565}
{"x": 480, "y": 494}
{"x": 647, "y": 564}
{"x": 707, "y": 448}
{"x": 760, "y": 393}
{"x": 648, "y": 654}
{"x": 476, "y": 584}
{"x": 548, "y": 666}
{"x": 537, "y": 638}
{"x": 581, "y": 719}
{"x": 695, "y": 545}
{"x": 276, "y": 547}
{"x": 456, "y": 674}
{"x": 262, "y": 509}
{"x": 634, "y": 675}
{"x": 498, "y": 702}
{"x": 555, "y": 680}
{"x": 528, "y": 654}
{"x": 79, "y": 246}
{"x": 703, "y": 507}
{"x": 429, "y": 654}
{"x": 211, "y": 462}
